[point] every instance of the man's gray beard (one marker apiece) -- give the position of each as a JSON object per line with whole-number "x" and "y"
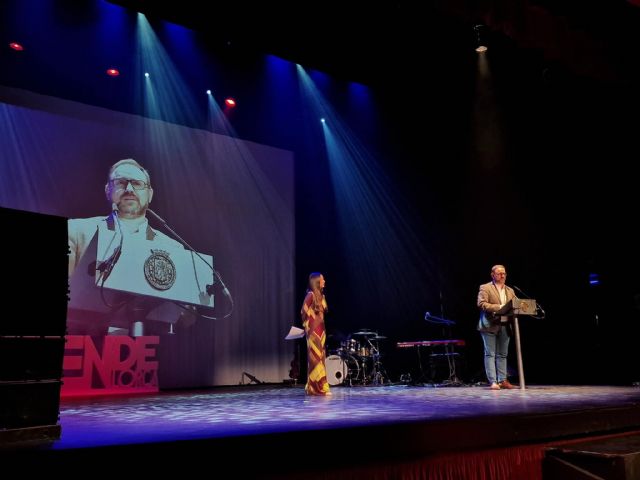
{"x": 132, "y": 211}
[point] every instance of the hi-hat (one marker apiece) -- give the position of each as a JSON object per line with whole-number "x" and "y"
{"x": 378, "y": 337}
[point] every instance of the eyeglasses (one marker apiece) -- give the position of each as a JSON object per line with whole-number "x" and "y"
{"x": 122, "y": 183}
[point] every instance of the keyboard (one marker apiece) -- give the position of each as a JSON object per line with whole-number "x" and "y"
{"x": 431, "y": 343}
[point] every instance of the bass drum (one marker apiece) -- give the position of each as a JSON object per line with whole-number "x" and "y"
{"x": 341, "y": 369}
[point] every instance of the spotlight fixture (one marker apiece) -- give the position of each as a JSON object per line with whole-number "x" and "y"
{"x": 16, "y": 46}
{"x": 113, "y": 72}
{"x": 146, "y": 74}
{"x": 322, "y": 120}
{"x": 208, "y": 92}
{"x": 230, "y": 102}
{"x": 481, "y": 44}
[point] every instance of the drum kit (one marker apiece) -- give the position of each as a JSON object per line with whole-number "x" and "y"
{"x": 356, "y": 361}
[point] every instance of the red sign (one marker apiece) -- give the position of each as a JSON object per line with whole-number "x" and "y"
{"x": 123, "y": 365}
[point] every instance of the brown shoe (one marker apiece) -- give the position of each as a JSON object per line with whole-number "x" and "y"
{"x": 506, "y": 385}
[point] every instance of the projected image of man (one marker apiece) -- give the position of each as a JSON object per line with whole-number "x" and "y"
{"x": 129, "y": 192}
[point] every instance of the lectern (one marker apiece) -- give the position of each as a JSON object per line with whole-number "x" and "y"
{"x": 132, "y": 280}
{"x": 514, "y": 308}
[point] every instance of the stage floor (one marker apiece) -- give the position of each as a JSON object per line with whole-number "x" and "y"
{"x": 443, "y": 418}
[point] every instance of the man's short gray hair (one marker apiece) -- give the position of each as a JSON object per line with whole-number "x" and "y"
{"x": 130, "y": 161}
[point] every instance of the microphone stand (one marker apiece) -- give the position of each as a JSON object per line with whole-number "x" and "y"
{"x": 106, "y": 267}
{"x": 444, "y": 321}
{"x": 209, "y": 288}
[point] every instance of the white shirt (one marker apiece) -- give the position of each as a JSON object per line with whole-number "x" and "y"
{"x": 502, "y": 291}
{"x": 140, "y": 231}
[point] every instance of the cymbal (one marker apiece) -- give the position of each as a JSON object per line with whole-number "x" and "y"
{"x": 378, "y": 337}
{"x": 366, "y": 333}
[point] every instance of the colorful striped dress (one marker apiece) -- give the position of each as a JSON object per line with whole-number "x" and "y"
{"x": 313, "y": 310}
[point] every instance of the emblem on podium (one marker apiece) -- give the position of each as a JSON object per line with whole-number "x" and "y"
{"x": 159, "y": 270}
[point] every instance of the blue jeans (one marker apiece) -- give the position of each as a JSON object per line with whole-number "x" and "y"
{"x": 496, "y": 347}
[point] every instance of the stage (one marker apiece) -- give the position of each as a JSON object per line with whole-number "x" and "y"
{"x": 270, "y": 430}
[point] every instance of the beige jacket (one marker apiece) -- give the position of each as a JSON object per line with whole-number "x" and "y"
{"x": 489, "y": 303}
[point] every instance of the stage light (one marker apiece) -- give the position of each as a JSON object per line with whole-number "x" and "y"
{"x": 230, "y": 102}
{"x": 208, "y": 92}
{"x": 322, "y": 120}
{"x": 112, "y": 72}
{"x": 481, "y": 45}
{"x": 16, "y": 46}
{"x": 146, "y": 74}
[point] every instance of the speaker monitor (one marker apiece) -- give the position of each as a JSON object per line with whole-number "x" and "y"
{"x": 32, "y": 335}
{"x": 37, "y": 283}
{"x": 29, "y": 404}
{"x": 31, "y": 358}
{"x": 616, "y": 458}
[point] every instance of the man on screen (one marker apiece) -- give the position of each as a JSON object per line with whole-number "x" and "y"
{"x": 129, "y": 191}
